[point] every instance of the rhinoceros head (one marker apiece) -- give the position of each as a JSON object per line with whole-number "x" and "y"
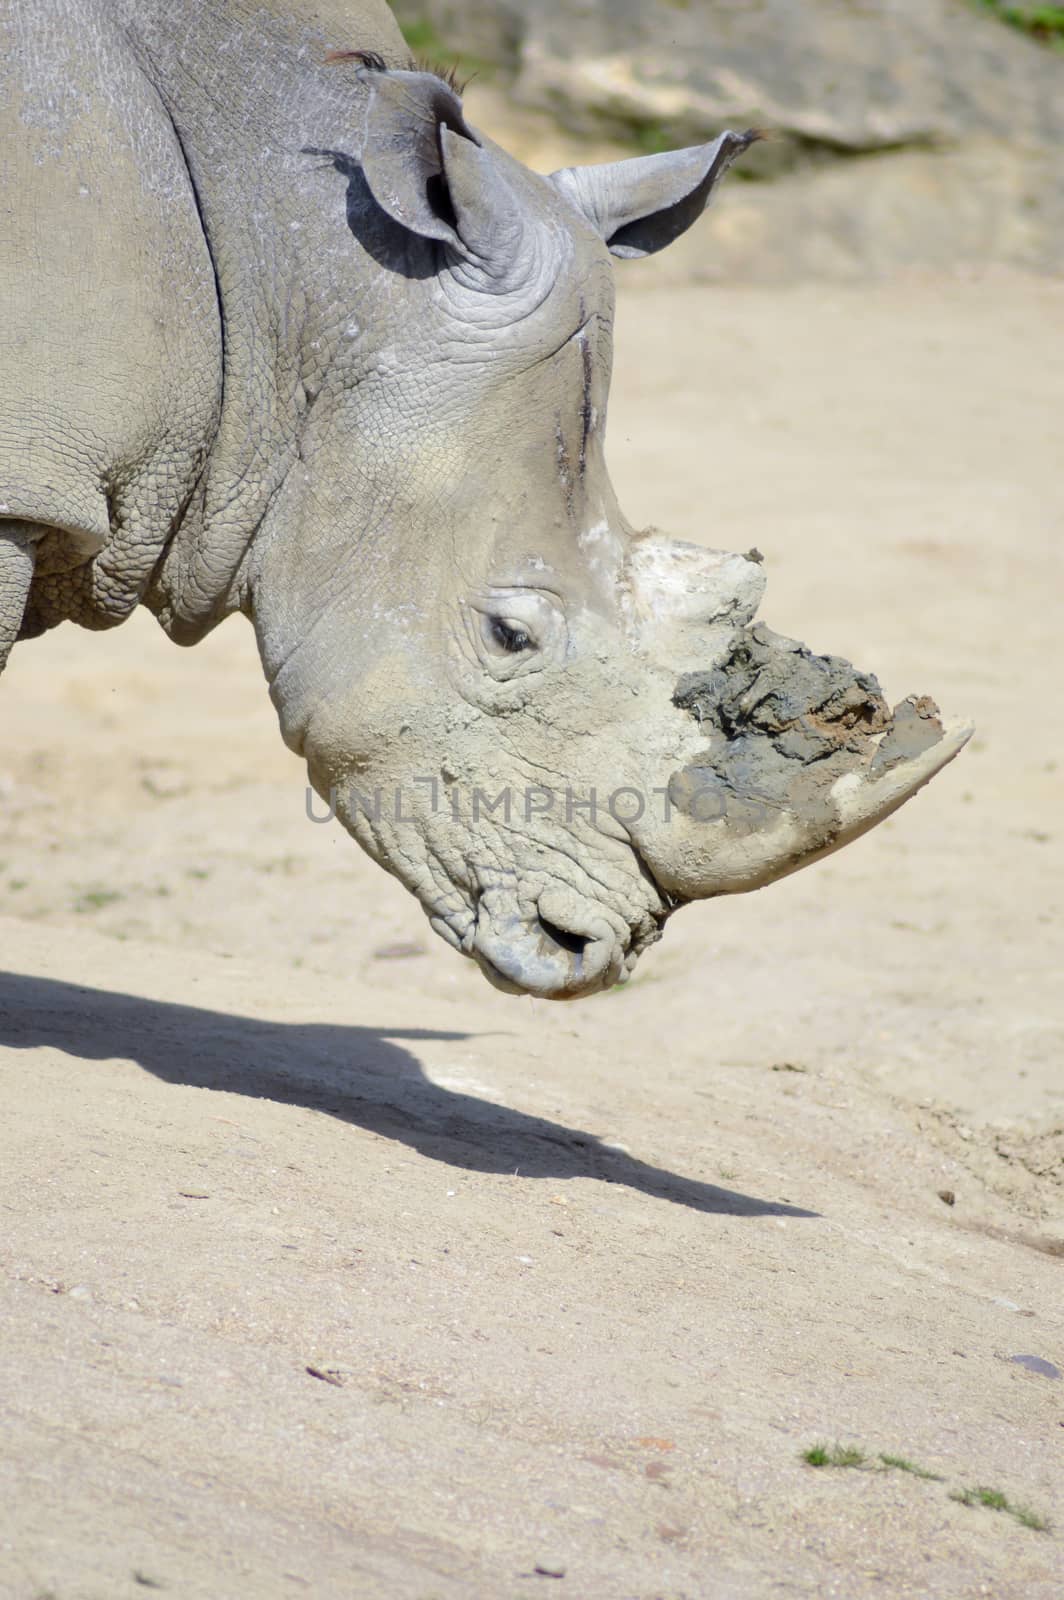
{"x": 553, "y": 730}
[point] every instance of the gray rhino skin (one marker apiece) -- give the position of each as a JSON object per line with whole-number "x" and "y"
{"x": 288, "y": 337}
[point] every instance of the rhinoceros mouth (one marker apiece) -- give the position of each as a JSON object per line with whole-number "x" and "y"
{"x": 563, "y": 948}
{"x": 539, "y": 963}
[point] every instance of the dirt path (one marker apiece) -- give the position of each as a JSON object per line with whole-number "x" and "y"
{"x": 580, "y": 1284}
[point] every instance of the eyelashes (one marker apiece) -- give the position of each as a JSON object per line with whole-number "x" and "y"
{"x": 508, "y": 637}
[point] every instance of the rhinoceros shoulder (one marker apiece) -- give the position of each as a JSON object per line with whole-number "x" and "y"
{"x": 112, "y": 372}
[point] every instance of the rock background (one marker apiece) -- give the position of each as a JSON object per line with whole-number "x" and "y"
{"x": 904, "y": 133}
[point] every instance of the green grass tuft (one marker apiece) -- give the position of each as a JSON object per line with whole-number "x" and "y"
{"x": 839, "y": 1455}
{"x": 96, "y": 899}
{"x": 835, "y": 1455}
{"x": 1031, "y": 1519}
{"x": 903, "y": 1464}
{"x": 995, "y": 1500}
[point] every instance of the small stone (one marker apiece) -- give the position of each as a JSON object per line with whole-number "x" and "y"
{"x": 947, "y": 1197}
{"x": 549, "y": 1569}
{"x": 1039, "y": 1364}
{"x": 335, "y": 1372}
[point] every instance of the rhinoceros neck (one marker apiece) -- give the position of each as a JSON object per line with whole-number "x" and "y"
{"x": 245, "y": 86}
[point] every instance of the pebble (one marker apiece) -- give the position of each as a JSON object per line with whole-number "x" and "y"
{"x": 338, "y": 1373}
{"x": 1038, "y": 1364}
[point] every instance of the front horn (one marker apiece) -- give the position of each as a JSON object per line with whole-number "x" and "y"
{"x": 803, "y": 756}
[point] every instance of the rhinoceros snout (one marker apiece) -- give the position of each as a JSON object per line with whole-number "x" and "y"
{"x": 553, "y": 953}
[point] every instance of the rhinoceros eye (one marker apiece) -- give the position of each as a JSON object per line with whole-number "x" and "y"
{"x": 514, "y": 630}
{"x": 507, "y": 637}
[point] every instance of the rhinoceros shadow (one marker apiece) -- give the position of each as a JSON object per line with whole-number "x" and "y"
{"x": 357, "y": 1074}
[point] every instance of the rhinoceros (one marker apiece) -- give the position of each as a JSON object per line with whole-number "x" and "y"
{"x": 284, "y": 334}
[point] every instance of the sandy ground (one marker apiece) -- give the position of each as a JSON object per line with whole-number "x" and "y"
{"x": 578, "y": 1284}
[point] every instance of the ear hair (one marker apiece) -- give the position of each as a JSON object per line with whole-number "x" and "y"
{"x": 365, "y": 58}
{"x": 371, "y": 61}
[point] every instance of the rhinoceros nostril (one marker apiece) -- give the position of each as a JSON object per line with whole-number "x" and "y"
{"x": 575, "y": 943}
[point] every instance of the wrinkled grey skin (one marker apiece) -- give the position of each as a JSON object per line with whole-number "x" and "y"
{"x": 290, "y": 338}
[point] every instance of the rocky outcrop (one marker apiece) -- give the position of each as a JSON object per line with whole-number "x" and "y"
{"x": 902, "y": 131}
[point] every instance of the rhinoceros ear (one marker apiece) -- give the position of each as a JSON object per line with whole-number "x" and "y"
{"x": 642, "y": 205}
{"x": 428, "y": 169}
{"x": 407, "y": 115}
